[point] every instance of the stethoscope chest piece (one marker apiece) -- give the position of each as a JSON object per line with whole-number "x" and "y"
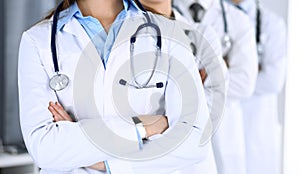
{"x": 226, "y": 42}
{"x": 59, "y": 82}
{"x": 260, "y": 50}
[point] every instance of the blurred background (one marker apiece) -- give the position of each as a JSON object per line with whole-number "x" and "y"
{"x": 18, "y": 15}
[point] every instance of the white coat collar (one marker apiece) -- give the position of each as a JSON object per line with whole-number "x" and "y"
{"x": 206, "y": 4}
{"x": 178, "y": 16}
{"x": 73, "y": 27}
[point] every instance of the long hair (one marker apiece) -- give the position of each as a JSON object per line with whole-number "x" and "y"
{"x": 66, "y": 4}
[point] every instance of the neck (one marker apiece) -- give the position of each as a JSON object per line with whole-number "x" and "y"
{"x": 104, "y": 10}
{"x": 236, "y": 1}
{"x": 163, "y": 7}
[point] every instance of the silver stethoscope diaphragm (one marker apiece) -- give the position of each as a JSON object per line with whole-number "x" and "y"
{"x": 260, "y": 50}
{"x": 226, "y": 41}
{"x": 59, "y": 82}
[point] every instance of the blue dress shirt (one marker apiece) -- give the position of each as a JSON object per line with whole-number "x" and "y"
{"x": 103, "y": 41}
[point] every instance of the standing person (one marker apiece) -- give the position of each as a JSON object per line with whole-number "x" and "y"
{"x": 262, "y": 128}
{"x": 86, "y": 65}
{"x": 241, "y": 59}
{"x": 207, "y": 50}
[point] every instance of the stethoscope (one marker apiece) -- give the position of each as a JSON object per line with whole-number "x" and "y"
{"x": 259, "y": 45}
{"x": 226, "y": 40}
{"x": 149, "y": 23}
{"x": 60, "y": 81}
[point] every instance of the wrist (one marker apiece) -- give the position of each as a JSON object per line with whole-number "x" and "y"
{"x": 140, "y": 127}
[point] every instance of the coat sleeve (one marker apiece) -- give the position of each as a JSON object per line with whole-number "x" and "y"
{"x": 62, "y": 145}
{"x": 187, "y": 112}
{"x": 216, "y": 84}
{"x": 243, "y": 66}
{"x": 271, "y": 77}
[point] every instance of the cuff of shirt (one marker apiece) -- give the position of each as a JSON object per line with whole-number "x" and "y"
{"x": 139, "y": 139}
{"x": 107, "y": 167}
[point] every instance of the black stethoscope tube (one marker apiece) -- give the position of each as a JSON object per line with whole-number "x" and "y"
{"x": 224, "y": 17}
{"x": 53, "y": 37}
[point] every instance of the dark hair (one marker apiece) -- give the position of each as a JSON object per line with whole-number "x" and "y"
{"x": 66, "y": 4}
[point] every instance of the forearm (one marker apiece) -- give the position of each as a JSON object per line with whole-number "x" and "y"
{"x": 186, "y": 154}
{"x": 61, "y": 146}
{"x": 243, "y": 67}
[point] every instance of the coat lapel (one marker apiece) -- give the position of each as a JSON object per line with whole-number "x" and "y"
{"x": 74, "y": 27}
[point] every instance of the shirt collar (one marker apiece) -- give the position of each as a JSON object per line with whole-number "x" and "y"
{"x": 66, "y": 15}
{"x": 73, "y": 10}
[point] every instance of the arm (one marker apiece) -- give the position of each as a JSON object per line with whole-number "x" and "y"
{"x": 243, "y": 66}
{"x": 271, "y": 77}
{"x": 46, "y": 140}
{"x": 215, "y": 86}
{"x": 153, "y": 124}
{"x": 59, "y": 114}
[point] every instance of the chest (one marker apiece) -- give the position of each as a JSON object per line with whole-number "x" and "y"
{"x": 94, "y": 91}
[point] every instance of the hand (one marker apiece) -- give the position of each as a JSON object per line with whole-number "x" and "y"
{"x": 58, "y": 112}
{"x": 226, "y": 61}
{"x": 98, "y": 166}
{"x": 154, "y": 124}
{"x": 259, "y": 67}
{"x": 203, "y": 75}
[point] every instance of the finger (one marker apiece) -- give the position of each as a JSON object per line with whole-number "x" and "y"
{"x": 203, "y": 75}
{"x": 51, "y": 103}
{"x": 56, "y": 115}
{"x": 59, "y": 105}
{"x": 52, "y": 110}
{"x": 57, "y": 118}
{"x": 59, "y": 109}
{"x": 62, "y": 112}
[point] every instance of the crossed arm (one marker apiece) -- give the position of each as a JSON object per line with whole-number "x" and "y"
{"x": 153, "y": 125}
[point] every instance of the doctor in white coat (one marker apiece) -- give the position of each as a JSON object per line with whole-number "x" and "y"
{"x": 228, "y": 142}
{"x": 207, "y": 50}
{"x": 59, "y": 146}
{"x": 262, "y": 127}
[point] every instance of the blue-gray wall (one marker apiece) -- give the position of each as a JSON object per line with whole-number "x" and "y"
{"x": 1, "y": 68}
{"x": 19, "y": 15}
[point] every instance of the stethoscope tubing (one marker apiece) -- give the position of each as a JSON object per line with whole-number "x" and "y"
{"x": 53, "y": 37}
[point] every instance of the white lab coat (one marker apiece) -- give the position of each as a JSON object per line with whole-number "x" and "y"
{"x": 64, "y": 147}
{"x": 262, "y": 128}
{"x": 228, "y": 142}
{"x": 209, "y": 56}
